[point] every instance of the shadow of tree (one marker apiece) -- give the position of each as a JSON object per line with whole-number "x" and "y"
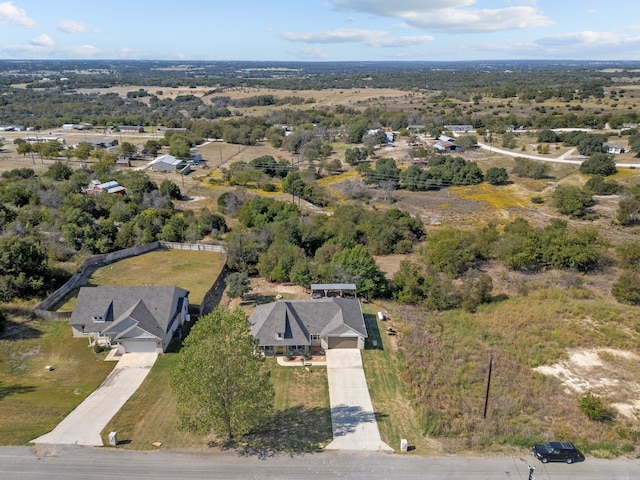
{"x": 19, "y": 331}
{"x": 8, "y": 390}
{"x": 345, "y": 419}
{"x": 258, "y": 299}
{"x": 373, "y": 333}
{"x": 295, "y": 430}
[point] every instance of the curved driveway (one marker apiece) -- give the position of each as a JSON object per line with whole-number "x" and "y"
{"x": 84, "y": 424}
{"x": 352, "y": 416}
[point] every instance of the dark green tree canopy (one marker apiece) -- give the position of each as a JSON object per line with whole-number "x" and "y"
{"x": 599, "y": 164}
{"x": 220, "y": 383}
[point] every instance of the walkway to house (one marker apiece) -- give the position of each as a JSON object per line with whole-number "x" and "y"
{"x": 352, "y": 416}
{"x": 84, "y": 424}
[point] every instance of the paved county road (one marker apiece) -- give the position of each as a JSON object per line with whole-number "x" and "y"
{"x": 91, "y": 463}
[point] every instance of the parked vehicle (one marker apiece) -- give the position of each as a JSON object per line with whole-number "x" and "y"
{"x": 557, "y": 452}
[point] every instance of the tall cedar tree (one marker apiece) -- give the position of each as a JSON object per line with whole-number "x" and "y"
{"x": 219, "y": 383}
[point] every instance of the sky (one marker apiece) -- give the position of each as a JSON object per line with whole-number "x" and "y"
{"x": 320, "y": 30}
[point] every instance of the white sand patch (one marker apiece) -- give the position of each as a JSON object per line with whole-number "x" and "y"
{"x": 588, "y": 370}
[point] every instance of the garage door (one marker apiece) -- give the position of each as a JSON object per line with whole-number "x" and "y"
{"x": 131, "y": 346}
{"x": 343, "y": 342}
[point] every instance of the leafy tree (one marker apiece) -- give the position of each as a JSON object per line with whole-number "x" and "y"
{"x": 83, "y": 150}
{"x": 548, "y": 136}
{"x": 59, "y": 171}
{"x": 170, "y": 189}
{"x": 525, "y": 167}
{"x": 629, "y": 211}
{"x": 634, "y": 143}
{"x": 243, "y": 250}
{"x": 237, "y": 284}
{"x": 24, "y": 148}
{"x": 626, "y": 288}
{"x": 408, "y": 284}
{"x": 356, "y": 265}
{"x": 475, "y": 290}
{"x": 128, "y": 148}
{"x": 598, "y": 185}
{"x": 24, "y": 270}
{"x": 628, "y": 254}
{"x": 572, "y": 201}
{"x": 599, "y": 164}
{"x": 220, "y": 384}
{"x": 497, "y": 176}
{"x": 211, "y": 222}
{"x": 153, "y": 147}
{"x": 179, "y": 148}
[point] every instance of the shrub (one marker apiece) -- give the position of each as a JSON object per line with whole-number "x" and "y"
{"x": 593, "y": 407}
{"x": 537, "y": 200}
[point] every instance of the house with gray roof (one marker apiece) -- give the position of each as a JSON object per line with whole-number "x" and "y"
{"x": 299, "y": 326}
{"x": 135, "y": 318}
{"x": 166, "y": 163}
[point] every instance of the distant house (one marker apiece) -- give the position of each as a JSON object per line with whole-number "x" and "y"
{"x": 166, "y": 163}
{"x": 124, "y": 162}
{"x": 135, "y": 318}
{"x": 445, "y": 146}
{"x": 459, "y": 128}
{"x": 45, "y": 139}
{"x": 308, "y": 325}
{"x": 97, "y": 188}
{"x": 445, "y": 138}
{"x": 613, "y": 148}
{"x": 107, "y": 143}
{"x": 77, "y": 126}
{"x": 131, "y": 128}
{"x": 173, "y": 129}
{"x": 416, "y": 128}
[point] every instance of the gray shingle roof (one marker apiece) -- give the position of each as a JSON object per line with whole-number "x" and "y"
{"x": 127, "y": 312}
{"x": 297, "y": 320}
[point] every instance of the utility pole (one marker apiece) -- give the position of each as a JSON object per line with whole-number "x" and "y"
{"x": 486, "y": 398}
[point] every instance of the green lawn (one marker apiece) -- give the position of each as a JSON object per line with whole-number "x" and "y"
{"x": 192, "y": 270}
{"x": 301, "y": 420}
{"x": 32, "y": 399}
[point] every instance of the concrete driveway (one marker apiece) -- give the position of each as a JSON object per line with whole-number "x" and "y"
{"x": 84, "y": 424}
{"x": 352, "y": 416}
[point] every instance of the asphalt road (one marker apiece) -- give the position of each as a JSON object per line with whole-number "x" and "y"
{"x": 91, "y": 463}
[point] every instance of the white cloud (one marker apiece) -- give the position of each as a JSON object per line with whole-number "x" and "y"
{"x": 82, "y": 51}
{"x": 588, "y": 38}
{"x": 309, "y": 54}
{"x": 370, "y": 38}
{"x": 43, "y": 40}
{"x": 340, "y": 35}
{"x": 71, "y": 26}
{"x": 13, "y": 15}
{"x": 450, "y": 15}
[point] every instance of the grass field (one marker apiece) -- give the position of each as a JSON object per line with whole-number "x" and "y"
{"x": 192, "y": 270}
{"x": 301, "y": 420}
{"x": 32, "y": 399}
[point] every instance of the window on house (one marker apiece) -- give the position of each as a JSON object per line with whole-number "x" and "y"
{"x": 315, "y": 337}
{"x": 279, "y": 336}
{"x": 268, "y": 348}
{"x": 97, "y": 318}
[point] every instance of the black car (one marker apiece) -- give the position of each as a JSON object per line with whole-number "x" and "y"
{"x": 557, "y": 452}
